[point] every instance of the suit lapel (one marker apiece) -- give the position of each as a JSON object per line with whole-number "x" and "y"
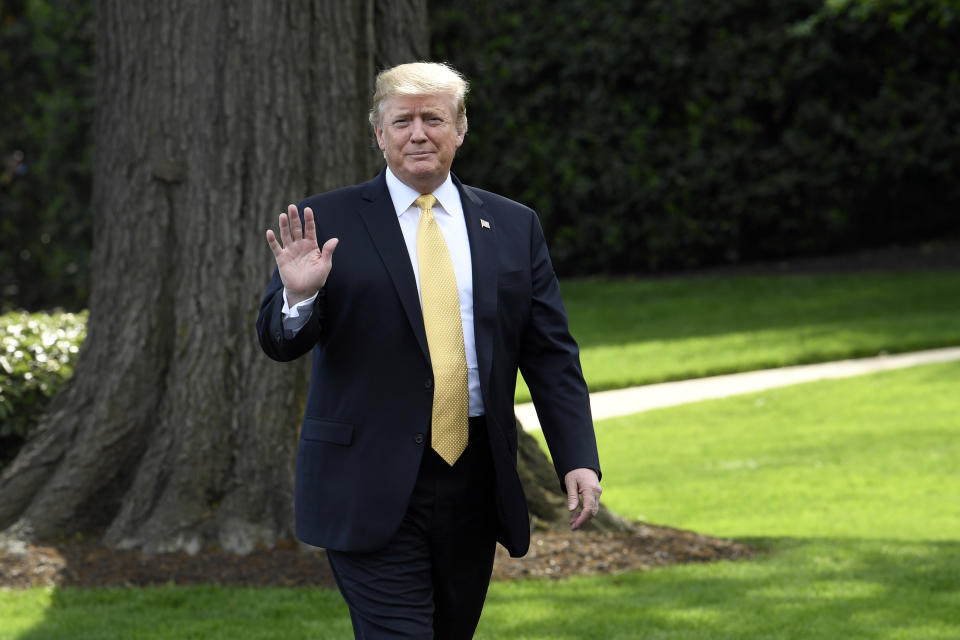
{"x": 482, "y": 232}
{"x": 381, "y": 221}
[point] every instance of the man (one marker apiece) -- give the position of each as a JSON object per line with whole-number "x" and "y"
{"x": 439, "y": 292}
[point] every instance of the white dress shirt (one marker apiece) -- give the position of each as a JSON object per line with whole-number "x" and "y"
{"x": 448, "y": 212}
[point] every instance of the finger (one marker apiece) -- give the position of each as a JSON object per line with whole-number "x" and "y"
{"x": 573, "y": 492}
{"x": 295, "y": 229}
{"x": 591, "y": 506}
{"x": 326, "y": 254}
{"x": 329, "y": 246}
{"x": 274, "y": 245}
{"x": 309, "y": 226}
{"x": 326, "y": 258}
{"x": 579, "y": 519}
{"x": 591, "y": 503}
{"x": 284, "y": 223}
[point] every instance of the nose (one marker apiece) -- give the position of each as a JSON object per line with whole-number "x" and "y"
{"x": 417, "y": 134}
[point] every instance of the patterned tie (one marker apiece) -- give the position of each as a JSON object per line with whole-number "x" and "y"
{"x": 441, "y": 319}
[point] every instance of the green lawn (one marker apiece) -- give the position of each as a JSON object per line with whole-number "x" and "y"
{"x": 641, "y": 331}
{"x": 173, "y": 613}
{"x": 848, "y": 487}
{"x": 876, "y": 456}
{"x": 851, "y": 487}
{"x": 809, "y": 589}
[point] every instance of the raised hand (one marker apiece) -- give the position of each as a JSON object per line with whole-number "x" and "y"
{"x": 303, "y": 265}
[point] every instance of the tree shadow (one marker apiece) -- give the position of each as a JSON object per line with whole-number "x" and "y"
{"x": 611, "y": 312}
{"x": 796, "y": 588}
{"x": 826, "y": 588}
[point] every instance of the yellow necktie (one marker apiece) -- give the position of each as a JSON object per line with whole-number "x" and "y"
{"x": 441, "y": 319}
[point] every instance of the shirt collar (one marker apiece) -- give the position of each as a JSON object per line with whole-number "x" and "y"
{"x": 403, "y": 195}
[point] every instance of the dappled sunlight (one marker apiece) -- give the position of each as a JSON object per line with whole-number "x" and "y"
{"x": 802, "y": 588}
{"x": 172, "y": 613}
{"x": 846, "y": 482}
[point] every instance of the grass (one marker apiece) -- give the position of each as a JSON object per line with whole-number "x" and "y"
{"x": 173, "y": 613}
{"x": 872, "y": 456}
{"x": 849, "y": 488}
{"x": 635, "y": 332}
{"x": 808, "y": 589}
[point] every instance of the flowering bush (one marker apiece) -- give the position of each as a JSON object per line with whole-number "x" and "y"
{"x": 37, "y": 354}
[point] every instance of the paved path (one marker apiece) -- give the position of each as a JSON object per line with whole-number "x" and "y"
{"x": 621, "y": 402}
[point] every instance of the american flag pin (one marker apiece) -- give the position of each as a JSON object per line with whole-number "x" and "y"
{"x": 484, "y": 223}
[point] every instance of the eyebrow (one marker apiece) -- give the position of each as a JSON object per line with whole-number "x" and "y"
{"x": 426, "y": 113}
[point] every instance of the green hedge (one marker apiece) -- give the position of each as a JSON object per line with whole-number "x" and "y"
{"x": 46, "y": 57}
{"x": 649, "y": 135}
{"x": 680, "y": 133}
{"x": 37, "y": 354}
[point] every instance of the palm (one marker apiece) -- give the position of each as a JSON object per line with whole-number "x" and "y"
{"x": 303, "y": 266}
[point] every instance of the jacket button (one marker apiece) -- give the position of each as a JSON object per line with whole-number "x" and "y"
{"x": 277, "y": 336}
{"x": 427, "y": 383}
{"x": 418, "y": 438}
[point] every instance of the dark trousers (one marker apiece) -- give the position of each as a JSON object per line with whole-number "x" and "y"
{"x": 430, "y": 581}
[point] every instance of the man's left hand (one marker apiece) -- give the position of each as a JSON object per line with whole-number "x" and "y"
{"x": 582, "y": 484}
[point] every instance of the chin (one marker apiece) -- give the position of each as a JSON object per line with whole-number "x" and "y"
{"x": 423, "y": 168}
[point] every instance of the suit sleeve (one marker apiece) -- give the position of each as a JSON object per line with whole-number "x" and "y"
{"x": 550, "y": 364}
{"x": 270, "y": 331}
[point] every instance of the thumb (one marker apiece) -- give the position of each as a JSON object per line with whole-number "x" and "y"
{"x": 329, "y": 246}
{"x": 573, "y": 494}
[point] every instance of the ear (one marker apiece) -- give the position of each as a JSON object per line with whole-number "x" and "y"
{"x": 460, "y": 136}
{"x": 380, "y": 142}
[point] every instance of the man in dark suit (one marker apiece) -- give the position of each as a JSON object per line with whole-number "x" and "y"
{"x": 440, "y": 292}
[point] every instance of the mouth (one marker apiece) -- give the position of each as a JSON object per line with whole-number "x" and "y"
{"x": 419, "y": 155}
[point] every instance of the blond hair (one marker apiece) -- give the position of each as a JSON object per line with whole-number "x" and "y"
{"x": 421, "y": 79}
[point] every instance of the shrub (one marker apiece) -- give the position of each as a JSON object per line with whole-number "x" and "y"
{"x": 681, "y": 133}
{"x": 46, "y": 59}
{"x": 37, "y": 354}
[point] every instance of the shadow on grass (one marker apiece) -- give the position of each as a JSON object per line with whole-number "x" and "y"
{"x": 797, "y": 588}
{"x": 617, "y": 312}
{"x": 196, "y": 612}
{"x": 802, "y": 589}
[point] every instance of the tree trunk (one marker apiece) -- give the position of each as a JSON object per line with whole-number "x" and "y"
{"x": 175, "y": 431}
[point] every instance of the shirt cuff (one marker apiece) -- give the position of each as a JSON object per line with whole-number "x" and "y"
{"x": 296, "y": 316}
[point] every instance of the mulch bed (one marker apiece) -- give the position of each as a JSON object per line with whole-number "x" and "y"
{"x": 553, "y": 554}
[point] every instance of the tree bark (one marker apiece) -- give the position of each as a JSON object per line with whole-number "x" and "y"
{"x": 175, "y": 431}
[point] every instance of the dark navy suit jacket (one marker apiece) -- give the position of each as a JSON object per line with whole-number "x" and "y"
{"x": 367, "y": 417}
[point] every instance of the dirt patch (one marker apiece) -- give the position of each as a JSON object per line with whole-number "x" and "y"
{"x": 560, "y": 554}
{"x": 553, "y": 554}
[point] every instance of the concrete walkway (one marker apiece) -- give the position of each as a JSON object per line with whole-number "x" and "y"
{"x": 621, "y": 402}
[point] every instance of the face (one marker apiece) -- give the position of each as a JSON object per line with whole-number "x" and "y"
{"x": 419, "y": 138}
